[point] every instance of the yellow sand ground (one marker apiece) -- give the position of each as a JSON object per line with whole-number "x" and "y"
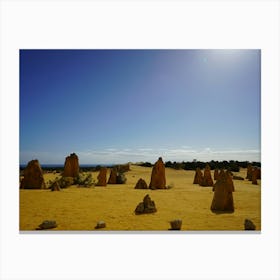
{"x": 81, "y": 208}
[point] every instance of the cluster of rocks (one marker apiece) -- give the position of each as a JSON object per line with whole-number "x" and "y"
{"x": 253, "y": 174}
{"x": 223, "y": 188}
{"x": 204, "y": 180}
{"x": 33, "y": 175}
{"x": 158, "y": 179}
{"x": 146, "y": 207}
{"x": 116, "y": 177}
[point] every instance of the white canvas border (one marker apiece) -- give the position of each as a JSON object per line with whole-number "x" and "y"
{"x": 153, "y": 24}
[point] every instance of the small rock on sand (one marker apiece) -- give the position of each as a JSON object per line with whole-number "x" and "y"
{"x": 47, "y": 224}
{"x": 249, "y": 225}
{"x": 100, "y": 224}
{"x": 176, "y": 224}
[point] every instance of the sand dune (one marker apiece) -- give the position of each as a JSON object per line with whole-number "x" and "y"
{"x": 81, "y": 208}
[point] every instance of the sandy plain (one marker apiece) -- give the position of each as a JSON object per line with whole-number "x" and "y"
{"x": 79, "y": 209}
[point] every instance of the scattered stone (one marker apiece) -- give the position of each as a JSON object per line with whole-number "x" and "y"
{"x": 100, "y": 224}
{"x": 71, "y": 166}
{"x": 249, "y": 225}
{"x": 198, "y": 177}
{"x": 33, "y": 176}
{"x": 146, "y": 207}
{"x": 207, "y": 178}
{"x": 222, "y": 199}
{"x": 47, "y": 224}
{"x": 55, "y": 186}
{"x": 249, "y": 172}
{"x": 102, "y": 177}
{"x": 121, "y": 179}
{"x": 237, "y": 177}
{"x": 216, "y": 174}
{"x": 158, "y": 180}
{"x": 113, "y": 176}
{"x": 176, "y": 224}
{"x": 141, "y": 184}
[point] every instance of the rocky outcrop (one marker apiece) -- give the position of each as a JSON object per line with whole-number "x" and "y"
{"x": 207, "y": 180}
{"x": 249, "y": 172}
{"x": 223, "y": 199}
{"x": 229, "y": 180}
{"x": 254, "y": 176}
{"x": 71, "y": 166}
{"x": 198, "y": 177}
{"x": 146, "y": 207}
{"x": 102, "y": 177}
{"x": 216, "y": 174}
{"x": 158, "y": 180}
{"x": 258, "y": 173}
{"x": 113, "y": 176}
{"x": 141, "y": 184}
{"x": 116, "y": 177}
{"x": 33, "y": 176}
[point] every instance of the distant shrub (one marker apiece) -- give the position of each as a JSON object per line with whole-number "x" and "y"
{"x": 123, "y": 167}
{"x": 121, "y": 179}
{"x": 65, "y": 182}
{"x": 84, "y": 180}
{"x": 50, "y": 183}
{"x": 146, "y": 164}
{"x": 169, "y": 164}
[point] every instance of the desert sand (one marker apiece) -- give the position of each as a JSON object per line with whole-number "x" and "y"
{"x": 79, "y": 208}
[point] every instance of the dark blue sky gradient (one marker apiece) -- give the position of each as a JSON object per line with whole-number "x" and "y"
{"x": 117, "y": 103}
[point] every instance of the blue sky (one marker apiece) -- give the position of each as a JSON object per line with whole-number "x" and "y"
{"x": 115, "y": 106}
